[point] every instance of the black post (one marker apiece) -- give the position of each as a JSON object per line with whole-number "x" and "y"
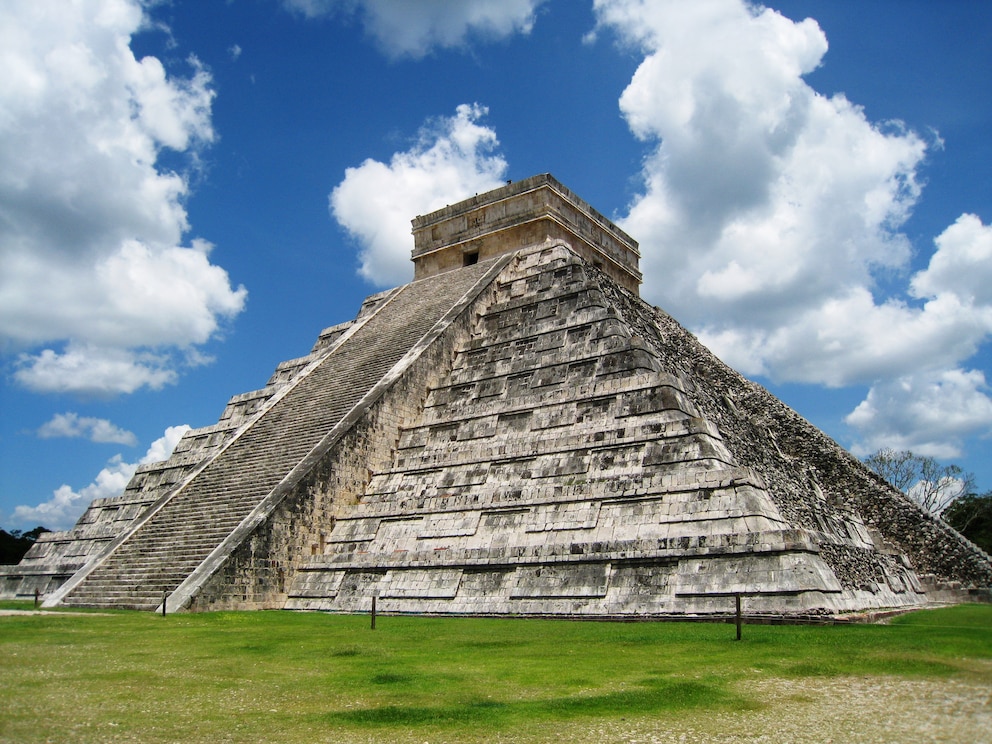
{"x": 165, "y": 596}
{"x": 37, "y": 593}
{"x": 738, "y": 598}
{"x": 373, "y": 612}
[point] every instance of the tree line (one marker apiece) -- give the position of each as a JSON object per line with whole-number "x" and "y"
{"x": 14, "y": 544}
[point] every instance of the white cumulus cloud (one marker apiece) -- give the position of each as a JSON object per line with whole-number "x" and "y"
{"x": 452, "y": 159}
{"x": 93, "y": 370}
{"x": 961, "y": 265}
{"x": 412, "y": 29}
{"x": 768, "y": 211}
{"x": 161, "y": 448}
{"x": 94, "y": 262}
{"x": 73, "y": 426}
{"x": 929, "y": 414}
{"x": 67, "y": 504}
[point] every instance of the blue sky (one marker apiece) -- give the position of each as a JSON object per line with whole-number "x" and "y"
{"x": 190, "y": 192}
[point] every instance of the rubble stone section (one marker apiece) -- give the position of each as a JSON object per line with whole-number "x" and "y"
{"x": 171, "y": 543}
{"x": 559, "y": 469}
{"x": 518, "y": 215}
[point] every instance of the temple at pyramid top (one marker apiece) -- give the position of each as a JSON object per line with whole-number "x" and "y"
{"x": 519, "y": 214}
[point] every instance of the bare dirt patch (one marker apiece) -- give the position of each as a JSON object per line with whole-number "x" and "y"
{"x": 869, "y": 710}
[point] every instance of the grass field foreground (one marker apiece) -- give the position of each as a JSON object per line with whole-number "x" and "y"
{"x": 295, "y": 677}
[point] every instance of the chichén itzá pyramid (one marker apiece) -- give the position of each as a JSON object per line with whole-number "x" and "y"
{"x": 514, "y": 432}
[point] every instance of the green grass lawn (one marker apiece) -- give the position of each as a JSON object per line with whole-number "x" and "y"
{"x": 282, "y": 676}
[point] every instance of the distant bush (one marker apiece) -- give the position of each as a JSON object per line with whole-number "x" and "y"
{"x": 971, "y": 515}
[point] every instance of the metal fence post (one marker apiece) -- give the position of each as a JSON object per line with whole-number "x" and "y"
{"x": 738, "y": 598}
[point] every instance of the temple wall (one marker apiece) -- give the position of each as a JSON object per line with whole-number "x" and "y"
{"x": 518, "y": 215}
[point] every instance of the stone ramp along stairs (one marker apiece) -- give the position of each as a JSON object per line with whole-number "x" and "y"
{"x": 244, "y": 481}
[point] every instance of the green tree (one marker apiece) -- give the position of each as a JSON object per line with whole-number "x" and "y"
{"x": 14, "y": 544}
{"x": 971, "y": 515}
{"x": 930, "y": 484}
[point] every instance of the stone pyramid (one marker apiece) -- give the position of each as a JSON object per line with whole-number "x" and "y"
{"x": 513, "y": 433}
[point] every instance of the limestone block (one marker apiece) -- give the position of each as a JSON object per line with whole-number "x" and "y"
{"x": 463, "y": 476}
{"x": 514, "y": 422}
{"x": 754, "y": 574}
{"x": 681, "y": 450}
{"x": 413, "y": 438}
{"x": 656, "y": 399}
{"x": 563, "y": 516}
{"x": 317, "y": 583}
{"x": 354, "y": 530}
{"x": 478, "y": 428}
{"x": 504, "y": 521}
{"x": 484, "y": 582}
{"x": 636, "y": 581}
{"x": 557, "y": 465}
{"x": 420, "y": 584}
{"x": 399, "y": 533}
{"x": 356, "y": 583}
{"x": 450, "y": 524}
{"x": 556, "y": 581}
{"x": 610, "y": 461}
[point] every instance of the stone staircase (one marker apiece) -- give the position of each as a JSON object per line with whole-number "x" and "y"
{"x": 163, "y": 551}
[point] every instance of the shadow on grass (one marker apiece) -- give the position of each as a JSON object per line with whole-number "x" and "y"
{"x": 390, "y": 679}
{"x": 655, "y": 696}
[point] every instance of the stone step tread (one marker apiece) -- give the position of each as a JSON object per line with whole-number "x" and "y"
{"x": 179, "y": 564}
{"x": 109, "y": 595}
{"x": 125, "y": 604}
{"x": 131, "y": 577}
{"x": 156, "y": 545}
